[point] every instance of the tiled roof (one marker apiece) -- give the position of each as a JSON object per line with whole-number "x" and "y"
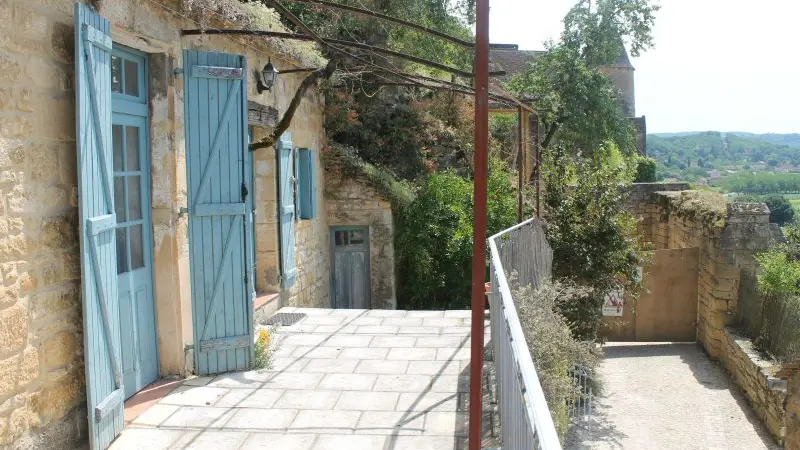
{"x": 512, "y": 61}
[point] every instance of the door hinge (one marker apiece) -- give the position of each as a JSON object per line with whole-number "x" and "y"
{"x": 178, "y": 71}
{"x": 244, "y": 192}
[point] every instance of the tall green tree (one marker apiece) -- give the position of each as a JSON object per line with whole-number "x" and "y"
{"x": 594, "y": 239}
{"x": 577, "y": 103}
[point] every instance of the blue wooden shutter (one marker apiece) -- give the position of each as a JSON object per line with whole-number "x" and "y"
{"x": 217, "y": 162}
{"x": 307, "y": 183}
{"x": 287, "y": 210}
{"x": 101, "y": 326}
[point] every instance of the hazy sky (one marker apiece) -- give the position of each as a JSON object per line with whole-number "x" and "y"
{"x": 725, "y": 65}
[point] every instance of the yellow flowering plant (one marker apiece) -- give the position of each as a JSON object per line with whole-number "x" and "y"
{"x": 263, "y": 349}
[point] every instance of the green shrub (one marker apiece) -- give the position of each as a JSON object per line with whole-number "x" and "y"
{"x": 433, "y": 243}
{"x": 780, "y": 209}
{"x": 645, "y": 170}
{"x": 553, "y": 348}
{"x": 780, "y": 274}
{"x": 594, "y": 239}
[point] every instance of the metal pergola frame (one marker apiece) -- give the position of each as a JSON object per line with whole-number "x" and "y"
{"x": 527, "y": 119}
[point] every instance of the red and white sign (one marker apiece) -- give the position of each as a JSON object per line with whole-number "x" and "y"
{"x": 613, "y": 303}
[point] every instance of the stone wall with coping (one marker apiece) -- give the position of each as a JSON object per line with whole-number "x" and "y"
{"x": 792, "y": 440}
{"x": 726, "y": 234}
{"x": 350, "y": 200}
{"x": 755, "y": 376}
{"x": 42, "y": 398}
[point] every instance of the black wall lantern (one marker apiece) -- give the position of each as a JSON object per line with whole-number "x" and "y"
{"x": 267, "y": 77}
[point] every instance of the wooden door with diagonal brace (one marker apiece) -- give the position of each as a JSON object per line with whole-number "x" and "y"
{"x": 220, "y": 210}
{"x": 98, "y": 222}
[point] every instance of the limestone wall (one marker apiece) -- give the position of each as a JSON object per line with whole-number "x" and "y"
{"x": 792, "y": 440}
{"x": 755, "y": 375}
{"x": 41, "y": 368}
{"x": 727, "y": 236}
{"x": 351, "y": 201}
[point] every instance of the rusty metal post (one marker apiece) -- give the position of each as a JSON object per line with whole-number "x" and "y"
{"x": 479, "y": 221}
{"x": 522, "y": 163}
{"x": 537, "y": 168}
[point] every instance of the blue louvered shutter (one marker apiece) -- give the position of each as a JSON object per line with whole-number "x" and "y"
{"x": 288, "y": 213}
{"x": 101, "y": 323}
{"x": 307, "y": 183}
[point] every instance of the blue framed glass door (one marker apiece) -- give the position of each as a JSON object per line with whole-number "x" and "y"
{"x": 130, "y": 139}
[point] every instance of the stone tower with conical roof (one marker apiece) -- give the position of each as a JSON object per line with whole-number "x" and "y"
{"x": 621, "y": 74}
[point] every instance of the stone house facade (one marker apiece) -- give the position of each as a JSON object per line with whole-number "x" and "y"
{"x": 43, "y": 327}
{"x": 351, "y": 201}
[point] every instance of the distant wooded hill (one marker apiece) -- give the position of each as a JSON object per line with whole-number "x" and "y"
{"x": 694, "y": 155}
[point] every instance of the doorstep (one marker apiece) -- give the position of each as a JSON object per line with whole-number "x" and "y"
{"x": 269, "y": 303}
{"x": 147, "y": 397}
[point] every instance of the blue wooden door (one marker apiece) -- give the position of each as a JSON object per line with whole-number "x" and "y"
{"x": 350, "y": 272}
{"x": 219, "y": 210}
{"x": 134, "y": 228}
{"x": 97, "y": 224}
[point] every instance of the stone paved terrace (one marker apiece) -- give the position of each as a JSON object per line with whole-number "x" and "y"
{"x": 341, "y": 379}
{"x": 668, "y": 397}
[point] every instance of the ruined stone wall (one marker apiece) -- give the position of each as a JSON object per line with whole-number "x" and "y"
{"x": 792, "y": 440}
{"x": 351, "y": 201}
{"x": 755, "y": 375}
{"x": 640, "y": 204}
{"x": 42, "y": 398}
{"x": 727, "y": 236}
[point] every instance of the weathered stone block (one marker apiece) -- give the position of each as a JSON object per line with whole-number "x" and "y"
{"x": 58, "y": 398}
{"x": 8, "y": 376}
{"x": 59, "y": 350}
{"x": 13, "y": 329}
{"x": 54, "y": 302}
{"x": 62, "y": 37}
{"x": 12, "y": 70}
{"x": 18, "y": 126}
{"x": 29, "y": 366}
{"x": 59, "y": 232}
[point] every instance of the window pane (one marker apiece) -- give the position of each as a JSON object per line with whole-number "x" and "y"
{"x": 132, "y": 147}
{"x": 134, "y": 198}
{"x": 340, "y": 237}
{"x": 116, "y": 141}
{"x": 119, "y": 198}
{"x": 356, "y": 237}
{"x": 137, "y": 247}
{"x": 122, "y": 250}
{"x": 116, "y": 74}
{"x": 131, "y": 78}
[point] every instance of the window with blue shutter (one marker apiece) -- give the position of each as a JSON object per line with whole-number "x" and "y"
{"x": 307, "y": 183}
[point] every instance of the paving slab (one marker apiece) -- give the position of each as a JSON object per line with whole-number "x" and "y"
{"x": 340, "y": 379}
{"x": 667, "y": 397}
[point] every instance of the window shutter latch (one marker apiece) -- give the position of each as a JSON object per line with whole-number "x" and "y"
{"x": 244, "y": 192}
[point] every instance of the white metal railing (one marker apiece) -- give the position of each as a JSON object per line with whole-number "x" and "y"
{"x": 525, "y": 419}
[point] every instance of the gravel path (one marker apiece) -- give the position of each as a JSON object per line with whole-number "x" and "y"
{"x": 667, "y": 397}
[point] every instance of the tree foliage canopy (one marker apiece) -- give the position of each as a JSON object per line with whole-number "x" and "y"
{"x": 577, "y": 103}
{"x": 594, "y": 239}
{"x": 433, "y": 243}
